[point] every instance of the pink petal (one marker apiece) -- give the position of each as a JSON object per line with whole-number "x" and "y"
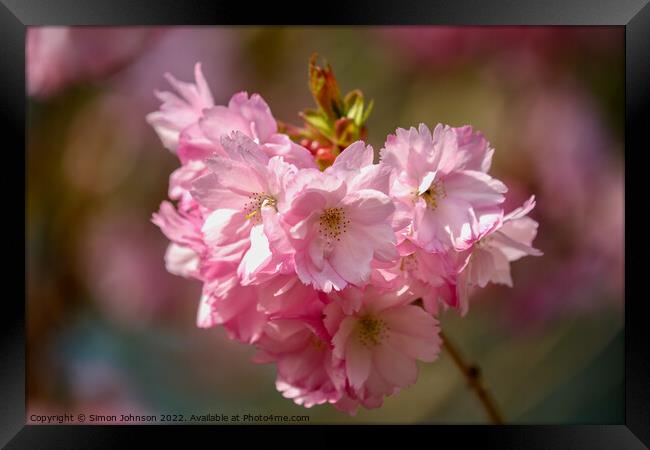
{"x": 345, "y": 328}
{"x": 475, "y": 188}
{"x": 515, "y": 238}
{"x": 256, "y": 257}
{"x": 357, "y": 362}
{"x": 411, "y": 321}
{"x": 501, "y": 272}
{"x": 382, "y": 239}
{"x": 522, "y": 210}
{"x": 375, "y": 176}
{"x": 394, "y": 366}
{"x": 220, "y": 121}
{"x": 481, "y": 267}
{"x": 225, "y": 225}
{"x": 208, "y": 192}
{"x": 353, "y": 158}
{"x": 282, "y": 145}
{"x": 181, "y": 260}
{"x": 351, "y": 258}
{"x": 426, "y": 350}
{"x": 255, "y": 111}
{"x": 476, "y": 150}
{"x": 238, "y": 177}
{"x": 243, "y": 149}
{"x": 368, "y": 207}
{"x": 426, "y": 182}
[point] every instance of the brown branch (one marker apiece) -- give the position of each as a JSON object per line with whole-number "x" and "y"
{"x": 473, "y": 375}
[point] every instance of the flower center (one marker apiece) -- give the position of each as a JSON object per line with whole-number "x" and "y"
{"x": 256, "y": 201}
{"x": 434, "y": 194}
{"x": 483, "y": 242}
{"x": 408, "y": 263}
{"x": 333, "y": 222}
{"x": 317, "y": 343}
{"x": 372, "y": 330}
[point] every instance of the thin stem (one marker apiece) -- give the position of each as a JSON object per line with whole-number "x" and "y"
{"x": 473, "y": 375}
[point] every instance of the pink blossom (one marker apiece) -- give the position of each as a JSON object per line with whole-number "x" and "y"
{"x": 432, "y": 276}
{"x": 225, "y": 302}
{"x": 190, "y": 124}
{"x": 321, "y": 270}
{"x": 440, "y": 180}
{"x": 379, "y": 337}
{"x": 490, "y": 257}
{"x": 181, "y": 110}
{"x": 248, "y": 115}
{"x": 490, "y": 260}
{"x": 287, "y": 297}
{"x": 183, "y": 229}
{"x": 240, "y": 189}
{"x": 307, "y": 372}
{"x": 339, "y": 221}
{"x": 180, "y": 182}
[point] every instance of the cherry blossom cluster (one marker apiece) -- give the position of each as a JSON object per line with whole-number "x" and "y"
{"x": 334, "y": 274}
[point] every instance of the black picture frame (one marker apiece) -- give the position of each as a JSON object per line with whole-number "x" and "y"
{"x": 634, "y": 15}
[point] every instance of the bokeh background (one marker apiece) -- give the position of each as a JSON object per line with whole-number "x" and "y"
{"x": 111, "y": 332}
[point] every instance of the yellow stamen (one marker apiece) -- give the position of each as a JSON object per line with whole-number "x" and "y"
{"x": 317, "y": 343}
{"x": 333, "y": 223}
{"x": 372, "y": 330}
{"x": 256, "y": 201}
{"x": 434, "y": 194}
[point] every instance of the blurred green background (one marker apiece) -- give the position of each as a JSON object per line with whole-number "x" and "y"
{"x": 111, "y": 332}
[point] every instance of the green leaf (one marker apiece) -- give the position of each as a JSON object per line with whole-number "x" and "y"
{"x": 317, "y": 120}
{"x": 356, "y": 111}
{"x": 366, "y": 114}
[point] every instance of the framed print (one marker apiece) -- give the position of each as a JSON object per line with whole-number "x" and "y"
{"x": 417, "y": 214}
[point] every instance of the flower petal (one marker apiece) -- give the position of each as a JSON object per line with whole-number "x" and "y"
{"x": 368, "y": 207}
{"x": 357, "y": 362}
{"x": 351, "y": 258}
{"x": 475, "y": 188}
{"x": 395, "y": 366}
{"x": 256, "y": 257}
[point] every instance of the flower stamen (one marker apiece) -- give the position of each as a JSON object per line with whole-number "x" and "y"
{"x": 434, "y": 194}
{"x": 483, "y": 242}
{"x": 256, "y": 201}
{"x": 333, "y": 223}
{"x": 372, "y": 330}
{"x": 317, "y": 343}
{"x": 408, "y": 263}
